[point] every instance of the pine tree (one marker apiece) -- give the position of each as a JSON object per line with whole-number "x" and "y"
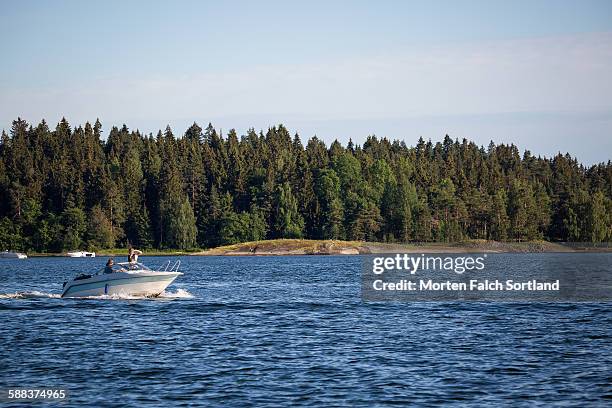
{"x": 500, "y": 223}
{"x": 73, "y": 222}
{"x": 288, "y": 223}
{"x": 367, "y": 223}
{"x": 99, "y": 234}
{"x": 144, "y": 232}
{"x": 10, "y": 235}
{"x": 445, "y": 205}
{"x": 180, "y": 225}
{"x": 521, "y": 210}
{"x": 598, "y": 218}
{"x": 133, "y": 187}
{"x": 328, "y": 193}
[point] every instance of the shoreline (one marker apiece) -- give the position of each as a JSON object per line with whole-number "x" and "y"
{"x": 288, "y": 247}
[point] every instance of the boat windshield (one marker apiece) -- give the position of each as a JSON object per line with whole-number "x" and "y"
{"x": 125, "y": 266}
{"x": 133, "y": 266}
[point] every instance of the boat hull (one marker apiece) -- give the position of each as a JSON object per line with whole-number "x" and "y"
{"x": 149, "y": 283}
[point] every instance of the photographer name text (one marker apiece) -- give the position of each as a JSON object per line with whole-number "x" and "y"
{"x": 472, "y": 285}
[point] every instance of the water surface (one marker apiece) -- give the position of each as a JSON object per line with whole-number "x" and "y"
{"x": 293, "y": 331}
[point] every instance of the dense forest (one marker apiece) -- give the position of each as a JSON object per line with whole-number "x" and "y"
{"x": 71, "y": 188}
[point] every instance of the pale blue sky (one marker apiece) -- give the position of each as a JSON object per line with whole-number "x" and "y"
{"x": 536, "y": 73}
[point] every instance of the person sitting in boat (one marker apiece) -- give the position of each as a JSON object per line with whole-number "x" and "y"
{"x": 109, "y": 266}
{"x": 133, "y": 254}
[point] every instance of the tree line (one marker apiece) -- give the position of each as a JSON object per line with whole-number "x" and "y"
{"x": 68, "y": 188}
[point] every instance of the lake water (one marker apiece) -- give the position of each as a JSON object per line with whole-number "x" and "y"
{"x": 293, "y": 331}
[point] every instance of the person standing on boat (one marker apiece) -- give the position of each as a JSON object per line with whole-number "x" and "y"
{"x": 133, "y": 254}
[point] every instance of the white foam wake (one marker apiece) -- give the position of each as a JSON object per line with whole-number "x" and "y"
{"x": 29, "y": 295}
{"x": 179, "y": 294}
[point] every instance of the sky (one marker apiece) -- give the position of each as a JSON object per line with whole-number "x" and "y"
{"x": 533, "y": 73}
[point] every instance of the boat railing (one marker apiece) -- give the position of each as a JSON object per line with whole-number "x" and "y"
{"x": 167, "y": 268}
{"x": 176, "y": 266}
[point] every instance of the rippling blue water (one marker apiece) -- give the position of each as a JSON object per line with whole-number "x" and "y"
{"x": 292, "y": 331}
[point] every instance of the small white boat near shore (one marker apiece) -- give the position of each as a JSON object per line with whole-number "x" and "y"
{"x": 126, "y": 279}
{"x": 13, "y": 255}
{"x": 81, "y": 254}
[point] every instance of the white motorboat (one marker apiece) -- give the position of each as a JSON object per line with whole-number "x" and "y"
{"x": 126, "y": 279}
{"x": 13, "y": 255}
{"x": 81, "y": 254}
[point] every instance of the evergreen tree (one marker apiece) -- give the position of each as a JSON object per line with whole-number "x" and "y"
{"x": 144, "y": 231}
{"x": 10, "y": 235}
{"x": 68, "y": 187}
{"x": 598, "y": 221}
{"x": 328, "y": 192}
{"x": 99, "y": 234}
{"x": 73, "y": 221}
{"x": 288, "y": 223}
{"x": 500, "y": 223}
{"x": 367, "y": 223}
{"x": 522, "y": 211}
{"x": 181, "y": 225}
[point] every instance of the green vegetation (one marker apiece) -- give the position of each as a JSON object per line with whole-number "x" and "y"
{"x": 337, "y": 247}
{"x": 67, "y": 188}
{"x": 288, "y": 246}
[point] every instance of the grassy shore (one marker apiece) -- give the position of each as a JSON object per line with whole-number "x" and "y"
{"x": 331, "y": 247}
{"x": 334, "y": 247}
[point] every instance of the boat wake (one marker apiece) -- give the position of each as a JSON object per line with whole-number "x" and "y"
{"x": 29, "y": 295}
{"x": 179, "y": 294}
